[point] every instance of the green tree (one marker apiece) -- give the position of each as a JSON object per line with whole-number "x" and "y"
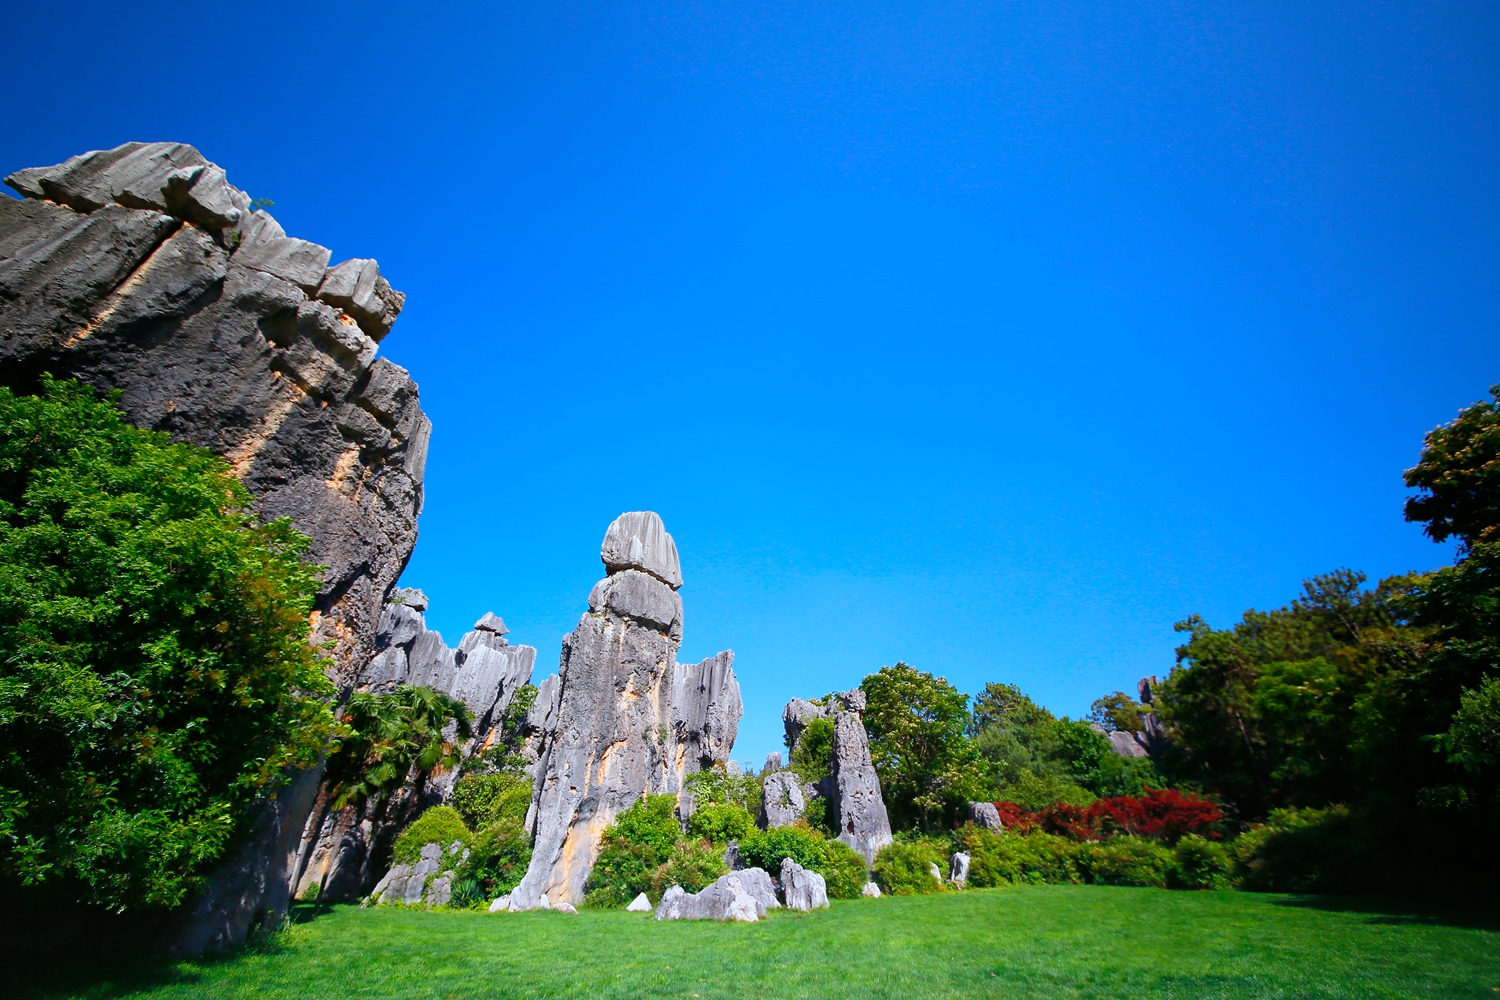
{"x": 928, "y": 767}
{"x": 392, "y": 737}
{"x": 155, "y": 671}
{"x": 1117, "y": 712}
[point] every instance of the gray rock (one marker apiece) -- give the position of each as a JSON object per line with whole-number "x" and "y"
{"x": 640, "y": 904}
{"x": 134, "y": 175}
{"x": 872, "y": 890}
{"x": 491, "y": 622}
{"x": 773, "y": 762}
{"x": 757, "y": 883}
{"x": 1146, "y": 689}
{"x": 958, "y": 868}
{"x": 392, "y": 888}
{"x": 439, "y": 890}
{"x": 855, "y": 797}
{"x": 1126, "y": 744}
{"x": 641, "y": 597}
{"x": 986, "y": 815}
{"x": 265, "y": 246}
{"x": 726, "y": 901}
{"x": 937, "y": 873}
{"x": 356, "y": 287}
{"x": 628, "y": 719}
{"x": 733, "y": 769}
{"x": 782, "y": 803}
{"x": 732, "y": 859}
{"x": 795, "y": 717}
{"x": 410, "y": 597}
{"x": 639, "y": 540}
{"x": 399, "y": 625}
{"x": 565, "y": 907}
{"x": 803, "y": 889}
{"x": 501, "y": 904}
{"x": 543, "y": 715}
{"x": 204, "y": 196}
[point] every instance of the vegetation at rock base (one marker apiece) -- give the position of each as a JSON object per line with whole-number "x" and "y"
{"x": 499, "y": 851}
{"x": 644, "y": 850}
{"x": 155, "y": 672}
{"x": 389, "y": 739}
{"x": 440, "y": 825}
{"x": 842, "y": 869}
{"x": 1061, "y": 942}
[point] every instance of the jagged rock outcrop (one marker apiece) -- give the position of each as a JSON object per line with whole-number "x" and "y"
{"x": 623, "y": 718}
{"x": 852, "y": 786}
{"x": 782, "y": 802}
{"x": 1152, "y": 738}
{"x": 802, "y": 889}
{"x": 340, "y": 847}
{"x": 142, "y": 269}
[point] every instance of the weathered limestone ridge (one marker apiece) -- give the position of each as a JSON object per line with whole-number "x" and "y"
{"x": 141, "y": 268}
{"x": 621, "y": 718}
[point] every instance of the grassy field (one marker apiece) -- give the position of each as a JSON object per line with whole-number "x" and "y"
{"x": 1042, "y": 942}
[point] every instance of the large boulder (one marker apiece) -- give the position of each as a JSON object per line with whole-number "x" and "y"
{"x": 724, "y": 900}
{"x": 782, "y": 803}
{"x": 802, "y": 889}
{"x": 986, "y": 815}
{"x": 624, "y": 718}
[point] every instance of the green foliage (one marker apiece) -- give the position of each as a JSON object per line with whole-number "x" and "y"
{"x": 813, "y": 755}
{"x": 843, "y": 870}
{"x": 498, "y": 856}
{"x": 1199, "y": 863}
{"x": 1005, "y": 858}
{"x": 765, "y": 848}
{"x": 815, "y": 815}
{"x": 1127, "y": 861}
{"x": 482, "y": 799}
{"x": 1474, "y": 737}
{"x": 721, "y": 823}
{"x": 928, "y": 768}
{"x": 716, "y": 786}
{"x": 1304, "y": 850}
{"x": 1459, "y": 475}
{"x": 440, "y": 825}
{"x": 388, "y": 737}
{"x": 1036, "y": 792}
{"x": 155, "y": 672}
{"x": 632, "y": 849}
{"x": 904, "y": 868}
{"x": 693, "y": 864}
{"x": 1117, "y": 712}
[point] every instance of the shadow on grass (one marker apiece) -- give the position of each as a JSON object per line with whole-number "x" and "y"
{"x": 1399, "y": 910}
{"x": 103, "y": 974}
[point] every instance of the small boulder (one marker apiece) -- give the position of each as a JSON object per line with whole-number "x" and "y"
{"x": 500, "y": 905}
{"x": 640, "y": 904}
{"x": 872, "y": 890}
{"x": 937, "y": 873}
{"x": 958, "y": 869}
{"x": 724, "y": 900}
{"x": 804, "y": 890}
{"x": 439, "y": 890}
{"x": 565, "y": 907}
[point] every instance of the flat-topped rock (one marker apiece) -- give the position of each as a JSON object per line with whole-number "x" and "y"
{"x": 639, "y": 540}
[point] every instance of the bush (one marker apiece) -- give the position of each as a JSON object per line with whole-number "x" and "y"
{"x": 440, "y": 825}
{"x": 1127, "y": 861}
{"x": 1008, "y": 858}
{"x": 482, "y": 799}
{"x": 812, "y": 758}
{"x": 155, "y": 671}
{"x": 651, "y": 822}
{"x": 843, "y": 869}
{"x": 498, "y": 856}
{"x": 693, "y": 864}
{"x": 903, "y": 868}
{"x": 766, "y": 848}
{"x": 721, "y": 824}
{"x": 1305, "y": 850}
{"x": 1200, "y": 863}
{"x": 631, "y": 851}
{"x": 1034, "y": 792}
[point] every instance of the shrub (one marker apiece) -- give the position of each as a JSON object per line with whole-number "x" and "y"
{"x": 716, "y": 786}
{"x": 766, "y": 848}
{"x": 843, "y": 869}
{"x": 721, "y": 824}
{"x": 693, "y": 864}
{"x": 903, "y": 868}
{"x": 1127, "y": 861}
{"x": 631, "y": 850}
{"x": 1008, "y": 858}
{"x": 482, "y": 799}
{"x": 651, "y": 821}
{"x": 438, "y": 825}
{"x": 1160, "y": 813}
{"x": 155, "y": 671}
{"x": 498, "y": 856}
{"x": 1034, "y": 792}
{"x": 1304, "y": 850}
{"x": 812, "y": 757}
{"x": 1200, "y": 863}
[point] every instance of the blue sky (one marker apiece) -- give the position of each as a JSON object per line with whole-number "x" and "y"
{"x": 990, "y": 337}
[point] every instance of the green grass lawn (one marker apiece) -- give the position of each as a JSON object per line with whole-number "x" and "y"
{"x": 1041, "y": 942}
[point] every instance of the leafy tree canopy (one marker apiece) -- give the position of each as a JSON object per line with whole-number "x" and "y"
{"x": 155, "y": 672}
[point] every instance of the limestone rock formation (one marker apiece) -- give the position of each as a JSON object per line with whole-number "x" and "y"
{"x": 1152, "y": 738}
{"x": 640, "y": 904}
{"x": 142, "y": 269}
{"x": 855, "y": 788}
{"x": 429, "y": 881}
{"x": 782, "y": 802}
{"x": 726, "y": 899}
{"x": 958, "y": 868}
{"x": 623, "y": 718}
{"x": 986, "y": 815}
{"x": 802, "y": 889}
{"x": 872, "y": 890}
{"x": 484, "y": 672}
{"x": 773, "y": 762}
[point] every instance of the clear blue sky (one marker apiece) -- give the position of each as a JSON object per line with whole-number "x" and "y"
{"x": 993, "y": 337}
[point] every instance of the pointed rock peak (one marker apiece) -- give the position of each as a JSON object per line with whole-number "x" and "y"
{"x": 491, "y": 622}
{"x": 638, "y": 540}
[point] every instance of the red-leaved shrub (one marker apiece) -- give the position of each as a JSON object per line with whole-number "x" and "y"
{"x": 1159, "y": 814}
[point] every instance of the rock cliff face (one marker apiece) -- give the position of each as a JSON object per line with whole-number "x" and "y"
{"x": 342, "y": 851}
{"x": 141, "y": 268}
{"x": 621, "y": 718}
